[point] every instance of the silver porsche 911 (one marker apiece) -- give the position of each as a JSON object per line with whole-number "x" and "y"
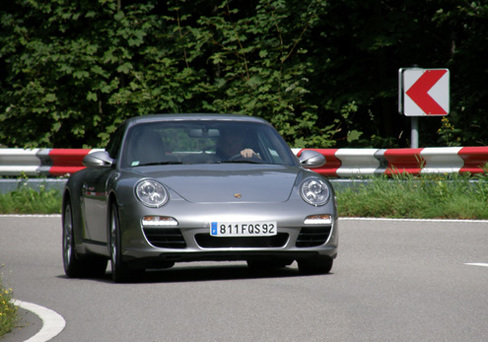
{"x": 190, "y": 187}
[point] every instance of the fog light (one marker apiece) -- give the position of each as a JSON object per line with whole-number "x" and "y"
{"x": 159, "y": 221}
{"x": 318, "y": 219}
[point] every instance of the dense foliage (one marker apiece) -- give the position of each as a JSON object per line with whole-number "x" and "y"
{"x": 323, "y": 72}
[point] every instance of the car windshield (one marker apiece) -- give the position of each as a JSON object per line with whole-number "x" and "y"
{"x": 197, "y": 142}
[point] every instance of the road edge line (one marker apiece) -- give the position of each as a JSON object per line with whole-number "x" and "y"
{"x": 481, "y": 264}
{"x": 52, "y": 322}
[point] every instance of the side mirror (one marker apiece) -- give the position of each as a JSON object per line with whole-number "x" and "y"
{"x": 98, "y": 159}
{"x": 311, "y": 159}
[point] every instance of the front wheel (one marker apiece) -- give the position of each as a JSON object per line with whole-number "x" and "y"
{"x": 315, "y": 265}
{"x": 120, "y": 270}
{"x": 75, "y": 267}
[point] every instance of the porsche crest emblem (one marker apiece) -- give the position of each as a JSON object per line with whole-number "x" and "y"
{"x": 237, "y": 195}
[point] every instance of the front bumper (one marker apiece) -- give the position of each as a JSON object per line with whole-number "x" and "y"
{"x": 190, "y": 239}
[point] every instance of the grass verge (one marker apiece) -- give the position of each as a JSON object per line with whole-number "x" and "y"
{"x": 26, "y": 200}
{"x": 455, "y": 196}
{"x": 8, "y": 311}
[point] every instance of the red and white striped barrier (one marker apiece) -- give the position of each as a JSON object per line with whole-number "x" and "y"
{"x": 343, "y": 163}
{"x": 347, "y": 162}
{"x": 41, "y": 161}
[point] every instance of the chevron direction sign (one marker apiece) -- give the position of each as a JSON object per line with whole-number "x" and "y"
{"x": 423, "y": 92}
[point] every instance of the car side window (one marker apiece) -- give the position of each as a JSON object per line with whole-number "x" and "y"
{"x": 273, "y": 150}
{"x": 113, "y": 146}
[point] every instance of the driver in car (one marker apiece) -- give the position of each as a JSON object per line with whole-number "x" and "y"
{"x": 232, "y": 143}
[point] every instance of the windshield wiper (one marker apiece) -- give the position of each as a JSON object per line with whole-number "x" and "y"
{"x": 174, "y": 162}
{"x": 241, "y": 161}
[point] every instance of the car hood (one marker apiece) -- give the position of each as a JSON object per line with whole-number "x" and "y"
{"x": 227, "y": 183}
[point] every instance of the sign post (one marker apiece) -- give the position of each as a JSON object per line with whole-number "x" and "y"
{"x": 422, "y": 92}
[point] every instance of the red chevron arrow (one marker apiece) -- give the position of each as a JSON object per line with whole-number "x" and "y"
{"x": 418, "y": 92}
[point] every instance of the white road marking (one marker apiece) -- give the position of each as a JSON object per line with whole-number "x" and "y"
{"x": 52, "y": 322}
{"x": 482, "y": 264}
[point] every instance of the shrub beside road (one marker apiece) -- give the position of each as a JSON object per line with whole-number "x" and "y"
{"x": 8, "y": 311}
{"x": 456, "y": 196}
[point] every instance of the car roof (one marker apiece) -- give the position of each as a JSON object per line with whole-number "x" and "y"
{"x": 193, "y": 117}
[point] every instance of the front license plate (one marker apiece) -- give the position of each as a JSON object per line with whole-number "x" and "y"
{"x": 221, "y": 229}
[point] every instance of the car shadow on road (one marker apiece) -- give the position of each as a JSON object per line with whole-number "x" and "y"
{"x": 202, "y": 273}
{"x": 214, "y": 273}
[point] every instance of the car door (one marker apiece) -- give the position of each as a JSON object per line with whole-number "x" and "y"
{"x": 95, "y": 194}
{"x": 95, "y": 200}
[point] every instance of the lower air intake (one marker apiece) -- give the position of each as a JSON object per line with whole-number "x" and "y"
{"x": 165, "y": 238}
{"x": 208, "y": 241}
{"x": 313, "y": 236}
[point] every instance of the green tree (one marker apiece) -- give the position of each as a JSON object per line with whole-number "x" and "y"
{"x": 323, "y": 72}
{"x": 75, "y": 70}
{"x": 260, "y": 65}
{"x": 465, "y": 24}
{"x": 362, "y": 44}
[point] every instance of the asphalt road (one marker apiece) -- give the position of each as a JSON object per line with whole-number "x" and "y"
{"x": 392, "y": 281}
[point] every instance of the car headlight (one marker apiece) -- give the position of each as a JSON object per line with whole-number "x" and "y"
{"x": 151, "y": 193}
{"x": 315, "y": 191}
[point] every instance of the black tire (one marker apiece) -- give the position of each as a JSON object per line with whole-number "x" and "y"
{"x": 75, "y": 267}
{"x": 315, "y": 265}
{"x": 120, "y": 270}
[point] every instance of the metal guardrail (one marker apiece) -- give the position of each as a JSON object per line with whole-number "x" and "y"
{"x": 19, "y": 162}
{"x": 341, "y": 163}
{"x": 342, "y": 167}
{"x": 345, "y": 163}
